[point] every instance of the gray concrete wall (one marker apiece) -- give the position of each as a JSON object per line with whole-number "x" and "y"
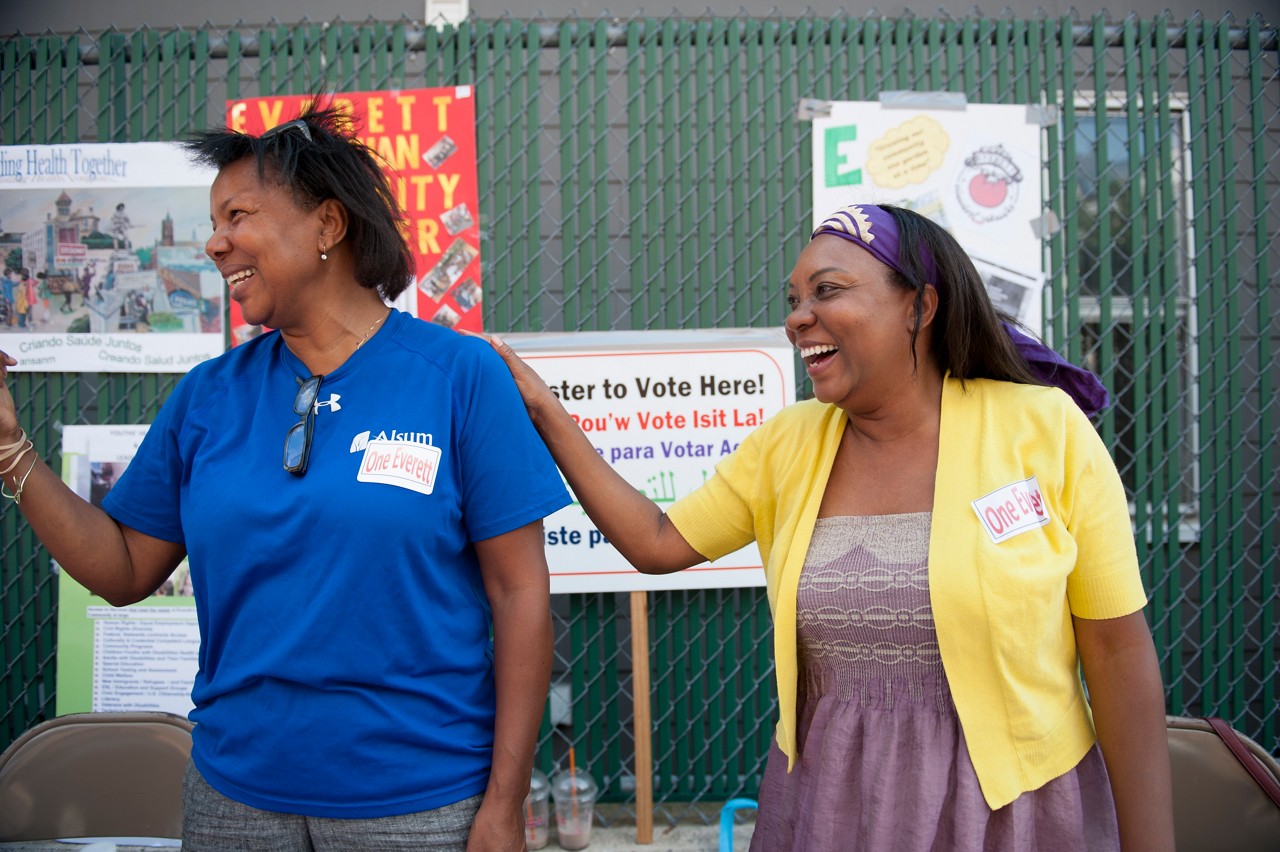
{"x": 35, "y": 16}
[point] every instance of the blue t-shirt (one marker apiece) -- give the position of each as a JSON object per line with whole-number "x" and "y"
{"x": 346, "y": 666}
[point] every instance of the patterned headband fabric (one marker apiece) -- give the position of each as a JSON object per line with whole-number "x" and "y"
{"x": 873, "y": 229}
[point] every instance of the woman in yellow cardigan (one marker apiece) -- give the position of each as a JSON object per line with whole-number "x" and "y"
{"x": 947, "y": 545}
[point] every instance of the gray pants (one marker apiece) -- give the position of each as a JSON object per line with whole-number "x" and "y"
{"x": 214, "y": 823}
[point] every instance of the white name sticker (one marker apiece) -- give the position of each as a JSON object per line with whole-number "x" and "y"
{"x": 1012, "y": 510}
{"x": 404, "y": 464}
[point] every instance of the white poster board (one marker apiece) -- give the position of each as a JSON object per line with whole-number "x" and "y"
{"x": 111, "y": 237}
{"x": 976, "y": 171}
{"x": 661, "y": 407}
{"x": 138, "y": 657}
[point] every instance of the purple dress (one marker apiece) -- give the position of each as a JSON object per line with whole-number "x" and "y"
{"x": 883, "y": 763}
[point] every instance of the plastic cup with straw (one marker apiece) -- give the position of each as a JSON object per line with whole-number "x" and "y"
{"x": 575, "y": 796}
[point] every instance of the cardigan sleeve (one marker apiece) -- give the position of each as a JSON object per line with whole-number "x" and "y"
{"x": 718, "y": 517}
{"x": 1105, "y": 582}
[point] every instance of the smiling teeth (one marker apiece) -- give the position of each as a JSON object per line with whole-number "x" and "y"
{"x": 810, "y": 351}
{"x": 237, "y": 277}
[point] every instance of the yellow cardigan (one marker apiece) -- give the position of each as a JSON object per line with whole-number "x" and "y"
{"x": 1003, "y": 614}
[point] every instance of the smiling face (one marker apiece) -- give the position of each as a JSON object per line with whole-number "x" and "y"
{"x": 852, "y": 325}
{"x": 265, "y": 245}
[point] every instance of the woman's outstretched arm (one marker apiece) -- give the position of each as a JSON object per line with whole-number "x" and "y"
{"x": 113, "y": 561}
{"x": 633, "y": 523}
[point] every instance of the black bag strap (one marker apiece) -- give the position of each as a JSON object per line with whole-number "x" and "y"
{"x": 1251, "y": 764}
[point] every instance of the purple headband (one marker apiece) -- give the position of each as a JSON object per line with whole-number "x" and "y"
{"x": 873, "y": 229}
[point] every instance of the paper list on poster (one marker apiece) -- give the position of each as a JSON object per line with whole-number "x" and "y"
{"x": 144, "y": 659}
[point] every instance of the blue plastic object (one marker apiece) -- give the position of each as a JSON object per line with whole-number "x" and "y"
{"x": 726, "y": 821}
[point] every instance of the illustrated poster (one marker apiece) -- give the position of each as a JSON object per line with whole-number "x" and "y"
{"x": 104, "y": 263}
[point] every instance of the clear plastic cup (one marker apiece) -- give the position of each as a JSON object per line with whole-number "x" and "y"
{"x": 537, "y": 811}
{"x": 575, "y": 796}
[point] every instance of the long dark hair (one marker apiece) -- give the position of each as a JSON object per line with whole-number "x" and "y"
{"x": 327, "y": 161}
{"x": 966, "y": 337}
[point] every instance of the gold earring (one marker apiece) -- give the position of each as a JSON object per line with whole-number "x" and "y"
{"x": 324, "y": 253}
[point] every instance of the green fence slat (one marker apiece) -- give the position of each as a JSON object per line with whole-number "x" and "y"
{"x": 1233, "y": 672}
{"x": 720, "y": 251}
{"x": 378, "y": 54}
{"x": 599, "y": 199}
{"x": 234, "y": 59}
{"x": 1169, "y": 365}
{"x": 363, "y": 52}
{"x": 492, "y": 104}
{"x": 1269, "y": 575}
{"x": 44, "y": 82}
{"x": 533, "y": 159}
{"x": 200, "y": 96}
{"x": 753, "y": 169}
{"x": 22, "y": 82}
{"x": 1004, "y": 81}
{"x": 1102, "y": 226}
{"x": 684, "y": 280}
{"x": 1135, "y": 275}
{"x": 266, "y": 62}
{"x": 635, "y": 169}
{"x": 702, "y": 281}
{"x": 9, "y": 124}
{"x": 1068, "y": 261}
{"x": 1200, "y": 194}
{"x": 569, "y": 236}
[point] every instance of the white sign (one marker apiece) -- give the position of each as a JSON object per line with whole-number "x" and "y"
{"x": 104, "y": 247}
{"x": 975, "y": 171}
{"x": 139, "y": 657}
{"x": 661, "y": 407}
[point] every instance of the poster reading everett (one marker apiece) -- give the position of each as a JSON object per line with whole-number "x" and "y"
{"x": 975, "y": 171}
{"x": 104, "y": 263}
{"x": 426, "y": 139}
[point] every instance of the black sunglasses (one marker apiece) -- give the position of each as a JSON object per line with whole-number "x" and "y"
{"x": 297, "y": 123}
{"x": 297, "y": 441}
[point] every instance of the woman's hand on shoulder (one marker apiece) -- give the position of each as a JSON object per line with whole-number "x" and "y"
{"x": 533, "y": 390}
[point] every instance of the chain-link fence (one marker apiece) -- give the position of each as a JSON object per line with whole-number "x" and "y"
{"x": 653, "y": 174}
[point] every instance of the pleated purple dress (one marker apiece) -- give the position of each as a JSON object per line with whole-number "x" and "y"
{"x": 883, "y": 763}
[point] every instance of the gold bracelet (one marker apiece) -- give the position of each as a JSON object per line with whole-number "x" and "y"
{"x": 16, "y": 496}
{"x": 13, "y": 463}
{"x": 5, "y": 449}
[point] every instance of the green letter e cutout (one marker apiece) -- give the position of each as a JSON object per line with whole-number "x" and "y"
{"x": 840, "y": 170}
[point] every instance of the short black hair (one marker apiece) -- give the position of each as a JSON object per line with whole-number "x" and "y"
{"x": 327, "y": 161}
{"x": 966, "y": 338}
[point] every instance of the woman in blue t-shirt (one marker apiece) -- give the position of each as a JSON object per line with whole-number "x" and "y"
{"x": 360, "y": 496}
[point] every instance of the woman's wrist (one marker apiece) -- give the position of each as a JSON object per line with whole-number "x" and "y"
{"x": 11, "y": 452}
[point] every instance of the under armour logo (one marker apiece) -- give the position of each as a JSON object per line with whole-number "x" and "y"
{"x": 332, "y": 403}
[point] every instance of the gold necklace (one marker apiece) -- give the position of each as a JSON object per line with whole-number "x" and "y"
{"x": 372, "y": 327}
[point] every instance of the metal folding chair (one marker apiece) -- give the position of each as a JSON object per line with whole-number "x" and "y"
{"x": 95, "y": 775}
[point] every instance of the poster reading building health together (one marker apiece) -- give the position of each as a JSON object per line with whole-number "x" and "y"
{"x": 426, "y": 139}
{"x": 975, "y": 171}
{"x": 138, "y": 657}
{"x": 104, "y": 263}
{"x": 662, "y": 408}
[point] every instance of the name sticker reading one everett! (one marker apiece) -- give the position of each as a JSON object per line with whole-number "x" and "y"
{"x": 1012, "y": 510}
{"x": 404, "y": 464}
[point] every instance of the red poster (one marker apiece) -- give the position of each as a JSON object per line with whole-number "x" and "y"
{"x": 427, "y": 140}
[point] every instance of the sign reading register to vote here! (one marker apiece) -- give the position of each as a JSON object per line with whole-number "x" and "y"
{"x": 663, "y": 408}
